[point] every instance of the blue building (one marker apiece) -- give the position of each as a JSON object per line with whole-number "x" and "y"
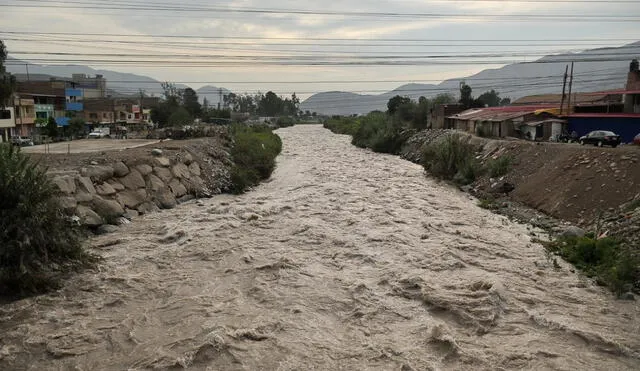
{"x": 627, "y": 125}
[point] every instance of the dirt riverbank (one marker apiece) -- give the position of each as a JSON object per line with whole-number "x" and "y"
{"x": 565, "y": 181}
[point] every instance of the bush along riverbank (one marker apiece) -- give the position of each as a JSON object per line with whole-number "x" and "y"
{"x": 39, "y": 244}
{"x": 253, "y": 153}
{"x": 378, "y": 131}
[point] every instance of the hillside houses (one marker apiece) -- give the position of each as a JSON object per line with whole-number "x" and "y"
{"x": 35, "y": 102}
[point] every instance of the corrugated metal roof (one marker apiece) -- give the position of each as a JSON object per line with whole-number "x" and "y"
{"x": 499, "y": 113}
{"x": 552, "y": 121}
{"x": 577, "y": 98}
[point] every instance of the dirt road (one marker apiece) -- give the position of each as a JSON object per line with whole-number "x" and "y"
{"x": 346, "y": 260}
{"x": 88, "y": 145}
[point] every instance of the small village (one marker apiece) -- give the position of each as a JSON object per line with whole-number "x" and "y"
{"x": 546, "y": 118}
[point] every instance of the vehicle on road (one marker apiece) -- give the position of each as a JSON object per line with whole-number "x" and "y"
{"x": 100, "y": 133}
{"x": 601, "y": 138}
{"x": 636, "y": 139}
{"x": 21, "y": 141}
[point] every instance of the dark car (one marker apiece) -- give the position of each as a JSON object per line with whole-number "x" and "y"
{"x": 601, "y": 138}
{"x": 636, "y": 139}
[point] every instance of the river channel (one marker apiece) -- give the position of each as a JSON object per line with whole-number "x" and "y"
{"x": 344, "y": 260}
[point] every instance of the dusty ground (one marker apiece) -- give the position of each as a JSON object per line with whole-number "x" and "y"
{"x": 88, "y": 145}
{"x": 569, "y": 181}
{"x": 345, "y": 260}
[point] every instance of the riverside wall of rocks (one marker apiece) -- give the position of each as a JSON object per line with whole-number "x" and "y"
{"x": 104, "y": 193}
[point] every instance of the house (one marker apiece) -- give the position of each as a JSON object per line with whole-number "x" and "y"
{"x": 121, "y": 110}
{"x": 7, "y": 123}
{"x": 625, "y": 123}
{"x": 92, "y": 87}
{"x": 439, "y": 113}
{"x": 25, "y": 116}
{"x": 59, "y": 99}
{"x": 527, "y": 122}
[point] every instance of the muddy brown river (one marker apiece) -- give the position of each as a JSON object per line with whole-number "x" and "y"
{"x": 344, "y": 260}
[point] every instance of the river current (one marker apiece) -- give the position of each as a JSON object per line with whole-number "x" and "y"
{"x": 344, "y": 260}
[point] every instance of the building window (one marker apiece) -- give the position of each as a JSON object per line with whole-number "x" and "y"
{"x": 5, "y": 114}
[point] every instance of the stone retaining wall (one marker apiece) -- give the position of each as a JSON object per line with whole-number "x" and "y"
{"x": 103, "y": 193}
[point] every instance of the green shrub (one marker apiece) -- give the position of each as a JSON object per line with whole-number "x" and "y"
{"x": 499, "y": 167}
{"x": 611, "y": 262}
{"x": 37, "y": 241}
{"x": 343, "y": 125}
{"x": 254, "y": 155}
{"x": 489, "y": 204}
{"x": 285, "y": 121}
{"x": 452, "y": 158}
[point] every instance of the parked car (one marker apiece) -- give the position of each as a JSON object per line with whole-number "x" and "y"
{"x": 21, "y": 141}
{"x": 100, "y": 133}
{"x": 636, "y": 139}
{"x": 601, "y": 138}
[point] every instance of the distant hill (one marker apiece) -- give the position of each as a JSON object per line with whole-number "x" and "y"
{"x": 514, "y": 81}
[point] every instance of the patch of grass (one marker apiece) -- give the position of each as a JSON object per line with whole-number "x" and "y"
{"x": 500, "y": 166}
{"x": 254, "y": 155}
{"x": 610, "y": 262}
{"x": 38, "y": 243}
{"x": 632, "y": 205}
{"x": 343, "y": 125}
{"x": 489, "y": 204}
{"x": 452, "y": 158}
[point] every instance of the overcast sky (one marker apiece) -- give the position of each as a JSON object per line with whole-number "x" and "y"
{"x": 490, "y": 23}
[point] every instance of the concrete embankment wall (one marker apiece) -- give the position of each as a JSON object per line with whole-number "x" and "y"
{"x": 102, "y": 193}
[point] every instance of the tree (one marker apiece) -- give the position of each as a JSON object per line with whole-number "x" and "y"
{"x": 76, "y": 126}
{"x": 466, "y": 99}
{"x": 180, "y": 118}
{"x": 190, "y": 102}
{"x": 490, "y": 98}
{"x": 270, "y": 104}
{"x": 7, "y": 81}
{"x": 421, "y": 117}
{"x": 170, "y": 91}
{"x": 445, "y": 98}
{"x": 395, "y": 102}
{"x": 52, "y": 128}
{"x": 505, "y": 101}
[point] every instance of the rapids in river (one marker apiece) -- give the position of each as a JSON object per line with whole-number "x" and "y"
{"x": 344, "y": 260}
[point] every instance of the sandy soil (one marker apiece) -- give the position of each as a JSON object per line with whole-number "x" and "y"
{"x": 88, "y": 145}
{"x": 345, "y": 260}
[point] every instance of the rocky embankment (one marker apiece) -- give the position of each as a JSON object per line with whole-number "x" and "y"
{"x": 113, "y": 188}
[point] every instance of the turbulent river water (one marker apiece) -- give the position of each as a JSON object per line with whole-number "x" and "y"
{"x": 344, "y": 260}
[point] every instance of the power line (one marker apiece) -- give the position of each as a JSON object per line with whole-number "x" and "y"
{"x": 441, "y": 16}
{"x": 311, "y": 38}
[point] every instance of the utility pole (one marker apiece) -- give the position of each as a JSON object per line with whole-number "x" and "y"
{"x": 140, "y": 106}
{"x": 564, "y": 85}
{"x": 27, "y": 66}
{"x": 570, "y": 86}
{"x": 219, "y": 98}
